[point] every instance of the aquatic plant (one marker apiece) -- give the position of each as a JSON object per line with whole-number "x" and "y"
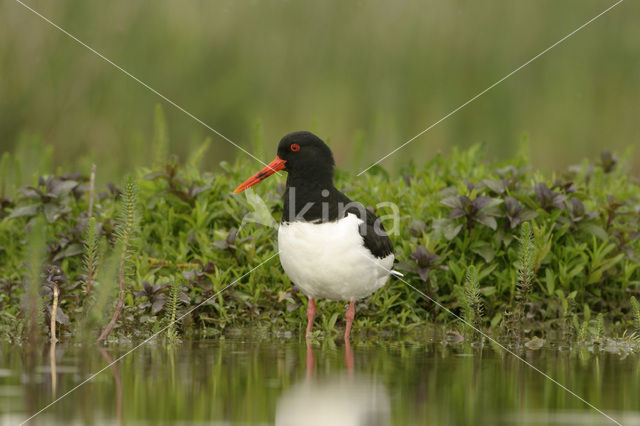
{"x": 599, "y": 333}
{"x": 125, "y": 232}
{"x": 527, "y": 262}
{"x": 472, "y": 307}
{"x": 32, "y": 305}
{"x": 170, "y": 311}
{"x": 583, "y": 331}
{"x": 91, "y": 252}
{"x": 525, "y": 274}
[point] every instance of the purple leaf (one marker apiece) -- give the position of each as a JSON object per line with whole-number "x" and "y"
{"x": 489, "y": 221}
{"x": 543, "y": 193}
{"x": 424, "y": 274}
{"x": 184, "y": 298}
{"x": 512, "y": 206}
{"x": 481, "y": 202}
{"x": 453, "y": 201}
{"x": 514, "y": 221}
{"x": 456, "y": 213}
{"x": 61, "y": 317}
{"x": 417, "y": 227}
{"x": 158, "y": 303}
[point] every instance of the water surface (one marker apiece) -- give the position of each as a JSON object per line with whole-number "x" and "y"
{"x": 258, "y": 381}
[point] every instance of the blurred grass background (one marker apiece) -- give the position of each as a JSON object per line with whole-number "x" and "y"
{"x": 375, "y": 71}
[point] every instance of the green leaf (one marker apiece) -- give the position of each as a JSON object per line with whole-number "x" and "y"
{"x": 528, "y": 215}
{"x": 378, "y": 170}
{"x": 596, "y": 275}
{"x": 484, "y": 250}
{"x": 550, "y": 281}
{"x": 52, "y": 212}
{"x": 70, "y": 251}
{"x": 30, "y": 210}
{"x": 62, "y": 187}
{"x": 332, "y": 321}
{"x": 495, "y": 185}
{"x": 576, "y": 270}
{"x": 496, "y": 319}
{"x": 488, "y": 291}
{"x": 446, "y": 228}
{"x": 261, "y": 213}
{"x": 587, "y": 313}
{"x": 486, "y": 271}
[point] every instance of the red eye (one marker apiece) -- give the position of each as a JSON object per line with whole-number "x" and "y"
{"x": 295, "y": 147}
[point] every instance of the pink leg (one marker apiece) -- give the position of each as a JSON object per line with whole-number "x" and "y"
{"x": 311, "y": 314}
{"x": 351, "y": 313}
{"x": 311, "y": 361}
{"x": 348, "y": 357}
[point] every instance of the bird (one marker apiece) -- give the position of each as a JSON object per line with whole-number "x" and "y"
{"x": 337, "y": 400}
{"x": 330, "y": 246}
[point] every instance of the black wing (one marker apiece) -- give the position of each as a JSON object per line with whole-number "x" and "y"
{"x": 373, "y": 233}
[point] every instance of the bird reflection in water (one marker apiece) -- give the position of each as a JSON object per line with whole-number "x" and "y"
{"x": 346, "y": 399}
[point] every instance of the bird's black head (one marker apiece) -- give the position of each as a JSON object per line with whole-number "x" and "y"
{"x": 306, "y": 158}
{"x": 306, "y": 155}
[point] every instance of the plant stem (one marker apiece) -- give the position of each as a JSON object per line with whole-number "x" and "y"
{"x": 121, "y": 276}
{"x": 54, "y": 312}
{"x": 526, "y": 275}
{"x": 91, "y": 250}
{"x": 125, "y": 231}
{"x": 92, "y": 187}
{"x": 52, "y": 348}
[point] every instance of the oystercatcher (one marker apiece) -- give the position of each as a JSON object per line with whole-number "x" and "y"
{"x": 331, "y": 247}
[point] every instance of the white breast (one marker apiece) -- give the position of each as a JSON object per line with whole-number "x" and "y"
{"x": 330, "y": 261}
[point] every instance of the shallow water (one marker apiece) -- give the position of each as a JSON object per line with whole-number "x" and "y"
{"x": 245, "y": 381}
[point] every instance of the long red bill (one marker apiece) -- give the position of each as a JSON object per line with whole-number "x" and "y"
{"x": 272, "y": 167}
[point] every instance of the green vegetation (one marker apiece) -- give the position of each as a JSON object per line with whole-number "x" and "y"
{"x": 504, "y": 246}
{"x": 635, "y": 306}
{"x": 91, "y": 253}
{"x": 125, "y": 233}
{"x": 472, "y": 308}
